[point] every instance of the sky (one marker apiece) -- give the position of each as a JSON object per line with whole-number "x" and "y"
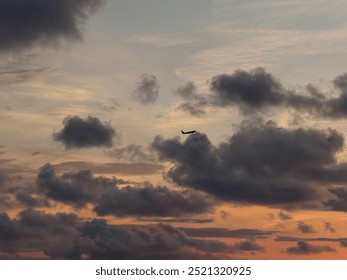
{"x": 94, "y": 95}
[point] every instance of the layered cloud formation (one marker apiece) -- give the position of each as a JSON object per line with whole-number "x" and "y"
{"x": 82, "y": 187}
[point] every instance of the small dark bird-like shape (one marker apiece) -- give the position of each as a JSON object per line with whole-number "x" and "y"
{"x": 188, "y": 132}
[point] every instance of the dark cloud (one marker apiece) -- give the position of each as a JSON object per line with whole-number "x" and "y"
{"x": 305, "y": 228}
{"x": 85, "y": 133}
{"x": 304, "y": 248}
{"x": 82, "y": 187}
{"x": 145, "y": 242}
{"x": 111, "y": 168}
{"x": 17, "y": 192}
{"x": 132, "y": 153}
{"x": 147, "y": 90}
{"x": 227, "y": 233}
{"x": 329, "y": 227}
{"x": 29, "y": 200}
{"x": 340, "y": 203}
{"x": 177, "y": 220}
{"x": 68, "y": 191}
{"x": 260, "y": 163}
{"x": 248, "y": 245}
{"x": 296, "y": 239}
{"x": 40, "y": 232}
{"x": 25, "y": 24}
{"x": 7, "y": 229}
{"x": 256, "y": 90}
{"x": 194, "y": 102}
{"x": 152, "y": 201}
{"x": 249, "y": 90}
{"x": 283, "y": 216}
{"x": 66, "y": 236}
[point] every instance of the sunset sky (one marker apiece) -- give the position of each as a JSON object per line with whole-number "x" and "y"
{"x": 94, "y": 95}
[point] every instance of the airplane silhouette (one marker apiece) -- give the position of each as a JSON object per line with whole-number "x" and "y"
{"x": 188, "y": 132}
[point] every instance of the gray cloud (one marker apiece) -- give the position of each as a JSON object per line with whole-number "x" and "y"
{"x": 16, "y": 192}
{"x": 256, "y": 90}
{"x": 304, "y": 248}
{"x": 132, "y": 153}
{"x": 305, "y": 228}
{"x": 30, "y": 200}
{"x": 36, "y": 231}
{"x": 69, "y": 188}
{"x": 329, "y": 227}
{"x": 147, "y": 90}
{"x": 152, "y": 201}
{"x": 85, "y": 133}
{"x": 177, "y": 220}
{"x": 340, "y": 203}
{"x": 248, "y": 245}
{"x": 227, "y": 233}
{"x": 82, "y": 187}
{"x": 284, "y": 216}
{"x": 248, "y": 90}
{"x": 25, "y": 24}
{"x": 260, "y": 163}
{"x": 194, "y": 102}
{"x": 145, "y": 242}
{"x": 296, "y": 239}
{"x": 111, "y": 168}
{"x": 66, "y": 236}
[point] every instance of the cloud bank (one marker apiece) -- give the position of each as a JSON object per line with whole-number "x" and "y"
{"x": 82, "y": 187}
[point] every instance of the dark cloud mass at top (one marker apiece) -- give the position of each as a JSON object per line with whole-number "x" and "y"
{"x": 24, "y": 23}
{"x": 147, "y": 89}
{"x": 261, "y": 163}
{"x": 256, "y": 90}
{"x": 85, "y": 133}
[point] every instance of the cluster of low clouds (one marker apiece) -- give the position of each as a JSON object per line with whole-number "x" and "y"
{"x": 66, "y": 236}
